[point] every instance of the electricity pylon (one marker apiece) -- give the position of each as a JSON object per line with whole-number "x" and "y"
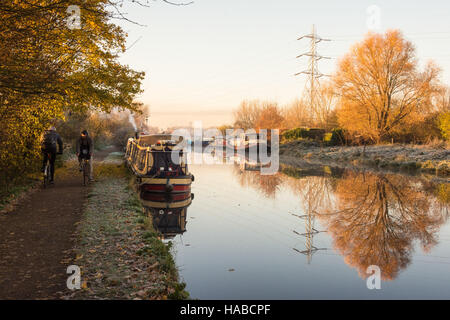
{"x": 312, "y": 87}
{"x": 310, "y": 202}
{"x": 309, "y": 234}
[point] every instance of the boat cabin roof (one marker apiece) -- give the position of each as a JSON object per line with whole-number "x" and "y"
{"x": 153, "y": 139}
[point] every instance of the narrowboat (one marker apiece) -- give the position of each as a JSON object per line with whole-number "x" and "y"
{"x": 159, "y": 163}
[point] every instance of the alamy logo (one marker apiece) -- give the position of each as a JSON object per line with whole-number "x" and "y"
{"x": 74, "y": 280}
{"x": 373, "y": 281}
{"x": 74, "y": 18}
{"x": 374, "y": 19}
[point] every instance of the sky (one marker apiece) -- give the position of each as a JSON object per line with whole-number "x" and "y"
{"x": 203, "y": 59}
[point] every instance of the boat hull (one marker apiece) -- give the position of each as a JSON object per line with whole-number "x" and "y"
{"x": 165, "y": 185}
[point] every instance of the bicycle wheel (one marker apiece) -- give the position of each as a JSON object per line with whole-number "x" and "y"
{"x": 46, "y": 175}
{"x": 85, "y": 172}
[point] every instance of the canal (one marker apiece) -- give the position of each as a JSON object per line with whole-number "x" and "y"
{"x": 312, "y": 234}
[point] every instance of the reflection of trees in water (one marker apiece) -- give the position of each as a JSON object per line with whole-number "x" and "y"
{"x": 442, "y": 193}
{"x": 377, "y": 219}
{"x": 373, "y": 219}
{"x": 267, "y": 184}
{"x": 315, "y": 192}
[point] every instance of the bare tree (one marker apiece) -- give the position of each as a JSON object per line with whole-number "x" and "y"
{"x": 246, "y": 115}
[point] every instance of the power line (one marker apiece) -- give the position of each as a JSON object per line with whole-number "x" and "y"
{"x": 312, "y": 86}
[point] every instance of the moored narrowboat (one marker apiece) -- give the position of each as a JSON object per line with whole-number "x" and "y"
{"x": 159, "y": 163}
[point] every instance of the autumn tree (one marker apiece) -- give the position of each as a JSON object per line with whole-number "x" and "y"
{"x": 270, "y": 117}
{"x": 246, "y": 115}
{"x": 49, "y": 69}
{"x": 223, "y": 129}
{"x": 326, "y": 116}
{"x": 444, "y": 125}
{"x": 443, "y": 112}
{"x": 380, "y": 87}
{"x": 296, "y": 115}
{"x": 299, "y": 114}
{"x": 442, "y": 100}
{"x": 255, "y": 114}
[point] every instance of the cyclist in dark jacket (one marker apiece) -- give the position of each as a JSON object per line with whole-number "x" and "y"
{"x": 49, "y": 143}
{"x": 85, "y": 150}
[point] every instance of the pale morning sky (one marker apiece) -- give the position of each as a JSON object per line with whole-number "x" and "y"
{"x": 202, "y": 60}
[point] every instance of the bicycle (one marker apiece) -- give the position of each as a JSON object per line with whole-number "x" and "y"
{"x": 85, "y": 168}
{"x": 46, "y": 173}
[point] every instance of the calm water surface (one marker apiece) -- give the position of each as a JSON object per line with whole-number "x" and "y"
{"x": 311, "y": 234}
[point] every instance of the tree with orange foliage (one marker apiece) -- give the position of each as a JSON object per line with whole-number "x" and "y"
{"x": 380, "y": 87}
{"x": 270, "y": 117}
{"x": 247, "y": 114}
{"x": 296, "y": 115}
{"x": 442, "y": 103}
{"x": 325, "y": 114}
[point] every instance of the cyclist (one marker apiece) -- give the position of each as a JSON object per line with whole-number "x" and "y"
{"x": 49, "y": 141}
{"x": 85, "y": 150}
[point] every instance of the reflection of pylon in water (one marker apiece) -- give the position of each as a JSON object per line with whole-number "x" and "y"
{"x": 309, "y": 236}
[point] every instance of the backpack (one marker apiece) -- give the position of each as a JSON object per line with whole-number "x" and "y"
{"x": 49, "y": 141}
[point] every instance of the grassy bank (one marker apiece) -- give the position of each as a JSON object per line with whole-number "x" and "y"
{"x": 13, "y": 191}
{"x": 118, "y": 251}
{"x": 428, "y": 159}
